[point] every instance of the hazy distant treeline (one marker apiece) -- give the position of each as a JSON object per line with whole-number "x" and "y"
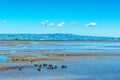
{"x": 53, "y": 37}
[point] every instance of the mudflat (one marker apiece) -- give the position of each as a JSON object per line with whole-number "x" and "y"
{"x": 60, "y": 60}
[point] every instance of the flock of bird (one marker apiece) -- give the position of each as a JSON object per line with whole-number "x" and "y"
{"x": 39, "y": 67}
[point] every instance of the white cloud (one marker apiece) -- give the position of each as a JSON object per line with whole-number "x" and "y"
{"x": 91, "y": 24}
{"x": 3, "y": 21}
{"x": 60, "y": 24}
{"x": 52, "y": 24}
{"x": 44, "y": 23}
{"x": 73, "y": 22}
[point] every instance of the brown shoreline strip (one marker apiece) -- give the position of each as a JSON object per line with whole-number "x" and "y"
{"x": 3, "y": 68}
{"x": 25, "y": 58}
{"x": 60, "y": 55}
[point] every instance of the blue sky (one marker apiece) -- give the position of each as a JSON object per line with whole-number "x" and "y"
{"x": 83, "y": 17}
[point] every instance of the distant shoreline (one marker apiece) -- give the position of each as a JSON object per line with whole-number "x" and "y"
{"x": 67, "y": 40}
{"x": 55, "y": 37}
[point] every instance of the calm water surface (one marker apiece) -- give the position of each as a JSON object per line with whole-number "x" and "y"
{"x": 70, "y": 46}
{"x": 79, "y": 68}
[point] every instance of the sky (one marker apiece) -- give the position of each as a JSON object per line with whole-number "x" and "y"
{"x": 82, "y": 17}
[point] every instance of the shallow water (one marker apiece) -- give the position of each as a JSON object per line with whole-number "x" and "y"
{"x": 78, "y": 68}
{"x": 63, "y": 46}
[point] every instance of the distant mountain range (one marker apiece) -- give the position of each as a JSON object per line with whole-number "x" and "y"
{"x": 54, "y": 37}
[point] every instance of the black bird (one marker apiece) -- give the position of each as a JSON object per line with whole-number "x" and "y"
{"x": 63, "y": 67}
{"x": 50, "y": 65}
{"x": 35, "y": 65}
{"x": 44, "y": 65}
{"x": 55, "y": 67}
{"x": 40, "y": 66}
{"x": 38, "y": 69}
{"x": 20, "y": 68}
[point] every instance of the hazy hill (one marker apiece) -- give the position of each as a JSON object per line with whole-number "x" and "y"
{"x": 53, "y": 37}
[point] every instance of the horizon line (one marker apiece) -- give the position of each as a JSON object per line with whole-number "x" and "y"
{"x": 60, "y": 33}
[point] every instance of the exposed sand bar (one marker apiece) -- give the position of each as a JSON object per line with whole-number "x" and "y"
{"x": 5, "y": 50}
{"x": 27, "y": 58}
{"x": 3, "y": 68}
{"x": 55, "y": 56}
{"x": 60, "y": 55}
